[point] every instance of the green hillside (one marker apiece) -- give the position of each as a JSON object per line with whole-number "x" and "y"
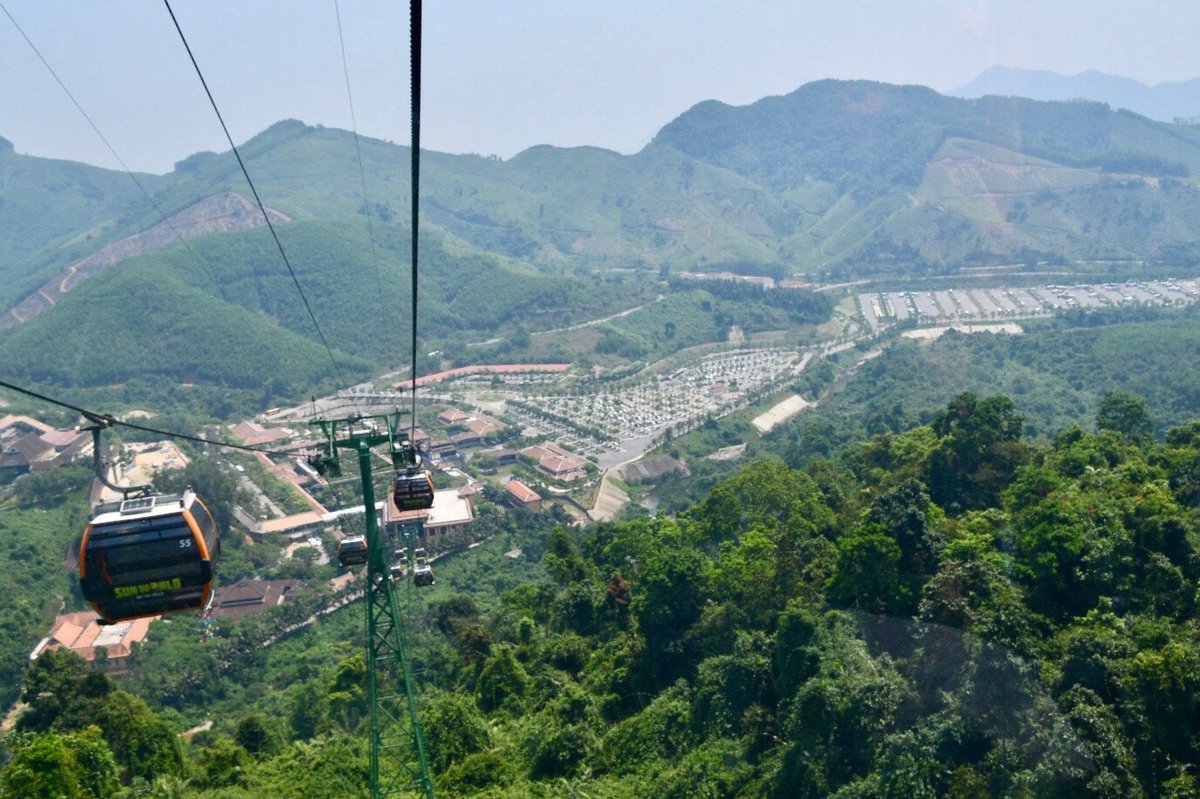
{"x": 136, "y": 324}
{"x": 838, "y": 179}
{"x": 46, "y": 202}
{"x": 804, "y": 181}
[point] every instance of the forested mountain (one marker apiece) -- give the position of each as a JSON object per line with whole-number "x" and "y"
{"x": 950, "y": 611}
{"x": 836, "y": 179}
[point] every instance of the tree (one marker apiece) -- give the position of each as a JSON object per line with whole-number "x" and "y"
{"x": 348, "y": 695}
{"x": 905, "y": 514}
{"x": 42, "y": 767}
{"x": 667, "y": 600}
{"x": 867, "y": 577}
{"x": 979, "y": 452}
{"x": 1126, "y": 414}
{"x": 48, "y": 488}
{"x": 140, "y": 740}
{"x": 223, "y": 763}
{"x": 453, "y": 730}
{"x": 53, "y": 685}
{"x": 254, "y": 736}
{"x": 66, "y": 766}
{"x": 503, "y": 681}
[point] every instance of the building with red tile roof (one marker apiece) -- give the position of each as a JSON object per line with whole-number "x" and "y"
{"x": 499, "y": 370}
{"x": 248, "y": 596}
{"x": 37, "y": 450}
{"x": 556, "y": 462}
{"x": 523, "y": 496}
{"x": 83, "y": 634}
{"x": 254, "y": 434}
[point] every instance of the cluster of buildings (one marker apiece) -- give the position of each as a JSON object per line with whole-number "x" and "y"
{"x": 28, "y": 445}
{"x": 109, "y": 647}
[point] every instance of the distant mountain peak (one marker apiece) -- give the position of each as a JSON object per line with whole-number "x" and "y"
{"x": 1165, "y": 102}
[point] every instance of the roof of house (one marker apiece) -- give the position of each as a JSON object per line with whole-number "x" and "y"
{"x": 252, "y": 596}
{"x": 522, "y": 492}
{"x": 252, "y": 433}
{"x": 60, "y": 439}
{"x": 451, "y": 506}
{"x": 555, "y": 460}
{"x": 25, "y": 450}
{"x": 342, "y": 580}
{"x": 27, "y": 421}
{"x": 306, "y": 519}
{"x": 83, "y": 634}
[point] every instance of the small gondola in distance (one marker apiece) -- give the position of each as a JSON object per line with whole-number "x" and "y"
{"x": 149, "y": 556}
{"x": 352, "y": 551}
{"x": 413, "y": 489}
{"x": 422, "y": 571}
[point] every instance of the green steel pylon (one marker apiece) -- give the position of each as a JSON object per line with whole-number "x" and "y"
{"x": 399, "y": 763}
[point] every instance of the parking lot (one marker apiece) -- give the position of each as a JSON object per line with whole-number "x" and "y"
{"x": 977, "y": 304}
{"x": 633, "y": 413}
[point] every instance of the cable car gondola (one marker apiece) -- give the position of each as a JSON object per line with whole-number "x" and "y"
{"x": 352, "y": 551}
{"x": 413, "y": 488}
{"x": 422, "y": 571}
{"x": 148, "y": 556}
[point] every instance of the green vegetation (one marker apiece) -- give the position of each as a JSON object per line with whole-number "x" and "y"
{"x": 1056, "y": 374}
{"x": 34, "y": 543}
{"x": 842, "y": 178}
{"x": 47, "y": 202}
{"x": 950, "y": 610}
{"x": 982, "y": 598}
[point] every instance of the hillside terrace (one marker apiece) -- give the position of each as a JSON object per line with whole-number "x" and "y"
{"x": 507, "y": 372}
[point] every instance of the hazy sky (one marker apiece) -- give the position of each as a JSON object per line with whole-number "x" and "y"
{"x": 503, "y": 75}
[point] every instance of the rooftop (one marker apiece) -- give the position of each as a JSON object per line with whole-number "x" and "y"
{"x": 248, "y": 596}
{"x": 521, "y": 492}
{"x": 450, "y": 507}
{"x": 83, "y": 634}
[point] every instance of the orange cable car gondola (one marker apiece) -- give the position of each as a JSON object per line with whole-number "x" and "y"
{"x": 148, "y": 556}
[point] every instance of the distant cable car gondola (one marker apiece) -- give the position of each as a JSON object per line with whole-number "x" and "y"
{"x": 352, "y": 551}
{"x": 148, "y": 556}
{"x": 422, "y": 571}
{"x": 413, "y": 488}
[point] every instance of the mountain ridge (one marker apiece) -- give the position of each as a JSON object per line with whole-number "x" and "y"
{"x": 1164, "y": 102}
{"x": 836, "y": 180}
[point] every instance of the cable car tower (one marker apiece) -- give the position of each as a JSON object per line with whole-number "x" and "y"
{"x": 399, "y": 763}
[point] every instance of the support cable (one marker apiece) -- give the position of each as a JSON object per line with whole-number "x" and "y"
{"x": 108, "y": 420}
{"x": 415, "y": 66}
{"x": 70, "y": 96}
{"x": 254, "y": 191}
{"x": 362, "y": 174}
